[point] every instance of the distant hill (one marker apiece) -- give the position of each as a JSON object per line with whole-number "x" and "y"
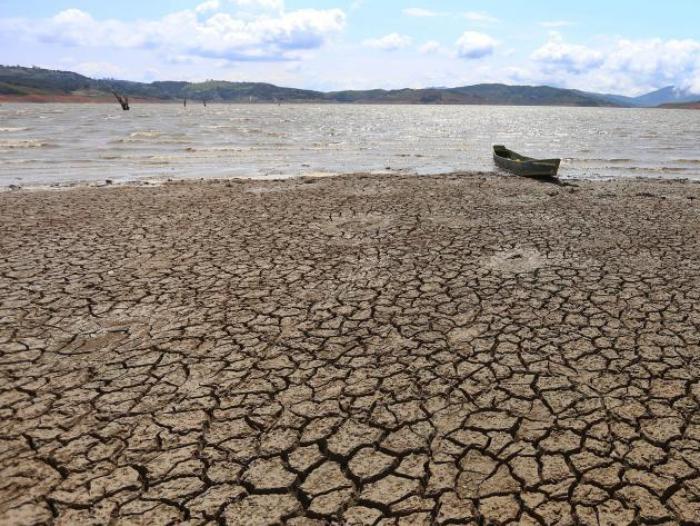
{"x": 618, "y": 100}
{"x": 667, "y": 95}
{"x": 36, "y": 84}
{"x": 43, "y": 85}
{"x": 494, "y": 94}
{"x": 658, "y": 98}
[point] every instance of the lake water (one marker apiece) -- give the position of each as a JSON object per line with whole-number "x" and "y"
{"x": 62, "y": 143}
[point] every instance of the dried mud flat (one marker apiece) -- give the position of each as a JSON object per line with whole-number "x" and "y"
{"x": 464, "y": 349}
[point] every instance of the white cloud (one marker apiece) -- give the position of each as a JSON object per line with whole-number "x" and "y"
{"x": 475, "y": 16}
{"x": 622, "y": 66}
{"x": 473, "y": 45}
{"x": 430, "y": 48}
{"x": 693, "y": 84}
{"x": 656, "y": 58}
{"x": 206, "y": 31}
{"x": 419, "y": 12}
{"x": 208, "y": 7}
{"x": 272, "y": 5}
{"x": 390, "y": 42}
{"x": 570, "y": 57}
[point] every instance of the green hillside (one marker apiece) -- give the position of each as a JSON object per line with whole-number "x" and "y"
{"x": 16, "y": 81}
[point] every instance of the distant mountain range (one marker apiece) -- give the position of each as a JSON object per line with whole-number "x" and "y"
{"x": 43, "y": 85}
{"x": 667, "y": 95}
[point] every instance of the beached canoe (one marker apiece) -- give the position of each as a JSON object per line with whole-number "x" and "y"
{"x": 525, "y": 166}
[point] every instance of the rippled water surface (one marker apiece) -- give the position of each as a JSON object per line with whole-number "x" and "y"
{"x": 59, "y": 143}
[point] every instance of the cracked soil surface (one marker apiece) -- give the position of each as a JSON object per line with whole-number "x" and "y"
{"x": 464, "y": 349}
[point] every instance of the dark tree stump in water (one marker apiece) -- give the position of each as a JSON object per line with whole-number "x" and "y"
{"x": 123, "y": 100}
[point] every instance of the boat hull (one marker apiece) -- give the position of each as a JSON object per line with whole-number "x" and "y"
{"x": 525, "y": 166}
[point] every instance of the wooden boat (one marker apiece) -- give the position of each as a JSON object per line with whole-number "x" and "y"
{"x": 524, "y": 166}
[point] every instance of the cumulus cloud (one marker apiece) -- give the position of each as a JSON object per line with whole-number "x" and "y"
{"x": 274, "y": 5}
{"x": 207, "y": 7}
{"x": 390, "y": 42}
{"x": 430, "y": 48}
{"x": 693, "y": 84}
{"x": 571, "y": 57}
{"x": 474, "y": 45}
{"x": 656, "y": 58}
{"x": 208, "y": 30}
{"x": 630, "y": 65}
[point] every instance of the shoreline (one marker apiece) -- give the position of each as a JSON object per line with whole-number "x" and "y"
{"x": 69, "y": 99}
{"x": 157, "y": 181}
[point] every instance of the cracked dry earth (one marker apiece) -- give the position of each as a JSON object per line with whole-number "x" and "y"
{"x": 465, "y": 349}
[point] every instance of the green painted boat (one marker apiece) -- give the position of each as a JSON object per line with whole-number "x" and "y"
{"x": 524, "y": 166}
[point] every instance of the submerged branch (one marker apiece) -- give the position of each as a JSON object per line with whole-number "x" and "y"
{"x": 123, "y": 100}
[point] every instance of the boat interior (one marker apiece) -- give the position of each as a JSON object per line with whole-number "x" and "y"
{"x": 504, "y": 152}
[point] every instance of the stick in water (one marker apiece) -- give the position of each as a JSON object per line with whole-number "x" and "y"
{"x": 123, "y": 100}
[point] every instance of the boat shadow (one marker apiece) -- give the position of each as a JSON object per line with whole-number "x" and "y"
{"x": 563, "y": 184}
{"x": 553, "y": 181}
{"x": 544, "y": 180}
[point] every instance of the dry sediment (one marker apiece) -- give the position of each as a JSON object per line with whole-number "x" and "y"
{"x": 465, "y": 349}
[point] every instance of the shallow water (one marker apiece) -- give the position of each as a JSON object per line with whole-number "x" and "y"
{"x": 62, "y": 143}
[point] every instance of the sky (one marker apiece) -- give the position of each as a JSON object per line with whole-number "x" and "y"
{"x": 613, "y": 46}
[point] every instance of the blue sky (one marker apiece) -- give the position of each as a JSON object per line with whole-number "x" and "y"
{"x": 622, "y": 46}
